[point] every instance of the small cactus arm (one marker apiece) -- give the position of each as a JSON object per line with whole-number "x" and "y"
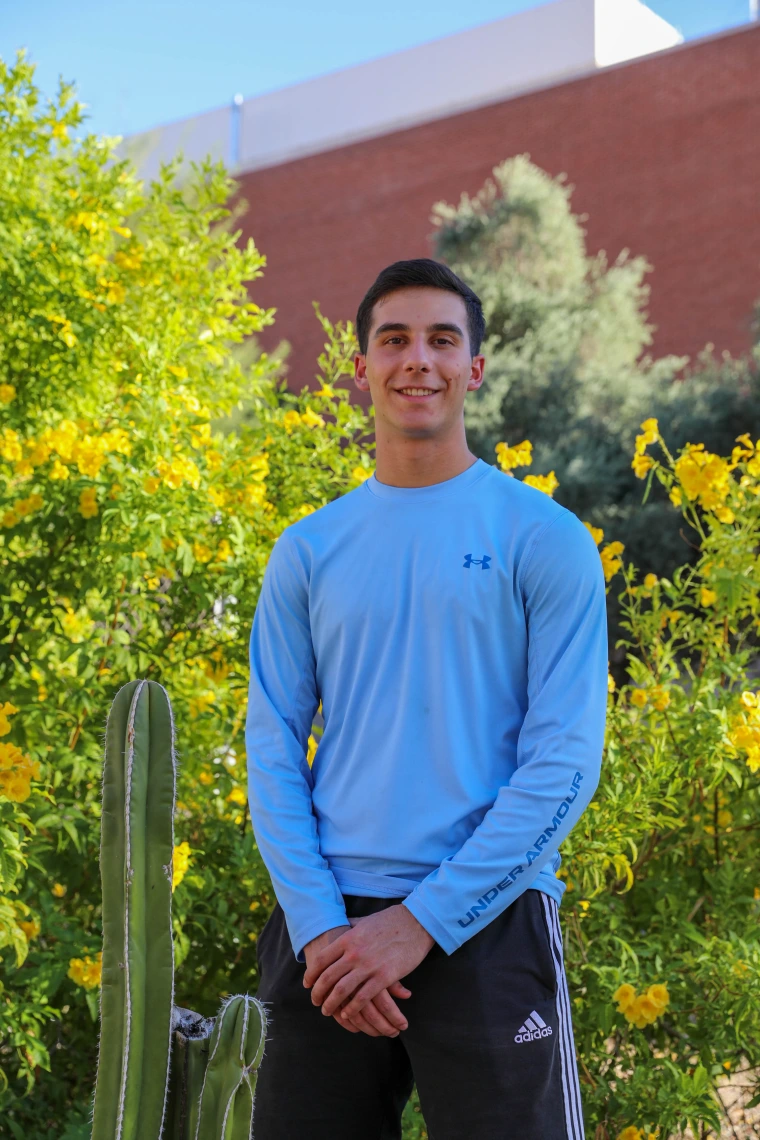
{"x": 137, "y": 843}
{"x": 190, "y": 1049}
{"x": 225, "y": 1108}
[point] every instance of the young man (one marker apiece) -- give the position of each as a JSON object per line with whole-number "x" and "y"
{"x": 452, "y": 621}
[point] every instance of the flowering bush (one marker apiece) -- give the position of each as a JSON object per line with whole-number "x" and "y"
{"x": 135, "y": 524}
{"x": 662, "y": 874}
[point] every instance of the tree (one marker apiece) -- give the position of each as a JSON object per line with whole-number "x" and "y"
{"x": 567, "y": 363}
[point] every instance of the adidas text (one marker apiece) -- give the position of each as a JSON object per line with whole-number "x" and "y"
{"x": 533, "y": 1030}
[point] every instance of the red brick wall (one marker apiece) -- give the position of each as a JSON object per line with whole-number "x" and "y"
{"x": 664, "y": 154}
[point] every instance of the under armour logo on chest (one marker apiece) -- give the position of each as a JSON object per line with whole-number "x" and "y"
{"x": 482, "y": 562}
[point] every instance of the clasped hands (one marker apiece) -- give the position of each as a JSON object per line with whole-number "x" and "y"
{"x": 353, "y": 971}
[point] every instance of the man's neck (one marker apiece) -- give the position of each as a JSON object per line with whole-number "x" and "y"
{"x": 420, "y": 463}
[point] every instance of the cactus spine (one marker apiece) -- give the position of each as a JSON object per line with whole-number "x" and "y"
{"x": 163, "y": 1073}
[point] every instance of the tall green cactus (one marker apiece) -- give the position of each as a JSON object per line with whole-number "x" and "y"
{"x": 137, "y": 843}
{"x": 163, "y": 1073}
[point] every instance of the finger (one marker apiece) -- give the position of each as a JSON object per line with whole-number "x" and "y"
{"x": 376, "y": 1016}
{"x": 398, "y": 990}
{"x": 342, "y": 991}
{"x": 327, "y": 980}
{"x": 388, "y": 1008}
{"x": 365, "y": 993}
{"x": 326, "y": 956}
{"x": 361, "y": 1024}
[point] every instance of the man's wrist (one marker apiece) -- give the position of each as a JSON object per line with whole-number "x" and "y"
{"x": 325, "y": 937}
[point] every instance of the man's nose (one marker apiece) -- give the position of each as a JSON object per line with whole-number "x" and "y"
{"x": 418, "y": 357}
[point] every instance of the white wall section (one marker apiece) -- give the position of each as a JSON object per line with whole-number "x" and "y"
{"x": 487, "y": 64}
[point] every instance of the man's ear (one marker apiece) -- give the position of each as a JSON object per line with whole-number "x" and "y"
{"x": 476, "y": 373}
{"x": 360, "y": 372}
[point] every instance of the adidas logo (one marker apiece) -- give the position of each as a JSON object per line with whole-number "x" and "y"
{"x": 533, "y": 1029}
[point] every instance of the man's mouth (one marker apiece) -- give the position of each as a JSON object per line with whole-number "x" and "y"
{"x": 416, "y": 393}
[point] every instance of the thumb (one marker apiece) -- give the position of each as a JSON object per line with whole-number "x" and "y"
{"x": 398, "y": 990}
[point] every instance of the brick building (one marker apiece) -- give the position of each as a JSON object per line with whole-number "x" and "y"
{"x": 663, "y": 150}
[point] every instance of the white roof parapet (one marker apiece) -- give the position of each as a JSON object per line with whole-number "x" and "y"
{"x": 524, "y": 52}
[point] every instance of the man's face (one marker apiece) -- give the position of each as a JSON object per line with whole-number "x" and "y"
{"x": 418, "y": 366}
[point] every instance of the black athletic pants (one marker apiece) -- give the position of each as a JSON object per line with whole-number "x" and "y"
{"x": 489, "y": 1043}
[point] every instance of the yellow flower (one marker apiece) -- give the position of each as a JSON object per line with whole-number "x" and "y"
{"x": 641, "y": 1009}
{"x": 89, "y": 455}
{"x": 9, "y": 519}
{"x": 707, "y": 597}
{"x": 659, "y": 697}
{"x": 201, "y": 552}
{"x": 58, "y": 890}
{"x": 311, "y": 750}
{"x": 611, "y": 562}
{"x": 237, "y": 796}
{"x": 638, "y": 698}
{"x": 624, "y": 995}
{"x": 360, "y": 474}
{"x": 641, "y": 464}
{"x": 58, "y": 470}
{"x": 725, "y": 514}
{"x": 311, "y": 419}
{"x": 631, "y": 1133}
{"x": 123, "y": 231}
{"x": 596, "y": 532}
{"x": 223, "y": 551}
{"x": 200, "y": 704}
{"x": 151, "y": 484}
{"x": 180, "y": 863}
{"x": 545, "y": 483}
{"x": 325, "y": 391}
{"x": 15, "y": 785}
{"x": 39, "y": 452}
{"x": 7, "y": 710}
{"x": 518, "y": 456}
{"x": 611, "y": 683}
{"x": 659, "y": 995}
{"x": 31, "y": 929}
{"x": 24, "y": 507}
{"x": 88, "y": 503}
{"x": 178, "y": 370}
{"x": 651, "y": 581}
{"x": 180, "y": 470}
{"x": 206, "y": 778}
{"x": 10, "y": 447}
{"x": 650, "y": 433}
{"x": 290, "y": 420}
{"x": 86, "y": 972}
{"x": 7, "y": 393}
{"x": 703, "y": 476}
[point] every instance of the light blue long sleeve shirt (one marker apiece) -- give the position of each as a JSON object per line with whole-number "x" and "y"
{"x": 456, "y": 635}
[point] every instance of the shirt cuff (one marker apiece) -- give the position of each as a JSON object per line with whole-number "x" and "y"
{"x": 302, "y": 937}
{"x": 431, "y": 923}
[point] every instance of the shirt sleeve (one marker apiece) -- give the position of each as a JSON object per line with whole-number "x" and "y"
{"x": 559, "y": 748}
{"x": 282, "y": 701}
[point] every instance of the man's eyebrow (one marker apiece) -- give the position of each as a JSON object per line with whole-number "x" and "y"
{"x": 390, "y": 326}
{"x": 398, "y": 326}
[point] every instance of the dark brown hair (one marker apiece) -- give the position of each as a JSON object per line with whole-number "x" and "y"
{"x": 419, "y": 272}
